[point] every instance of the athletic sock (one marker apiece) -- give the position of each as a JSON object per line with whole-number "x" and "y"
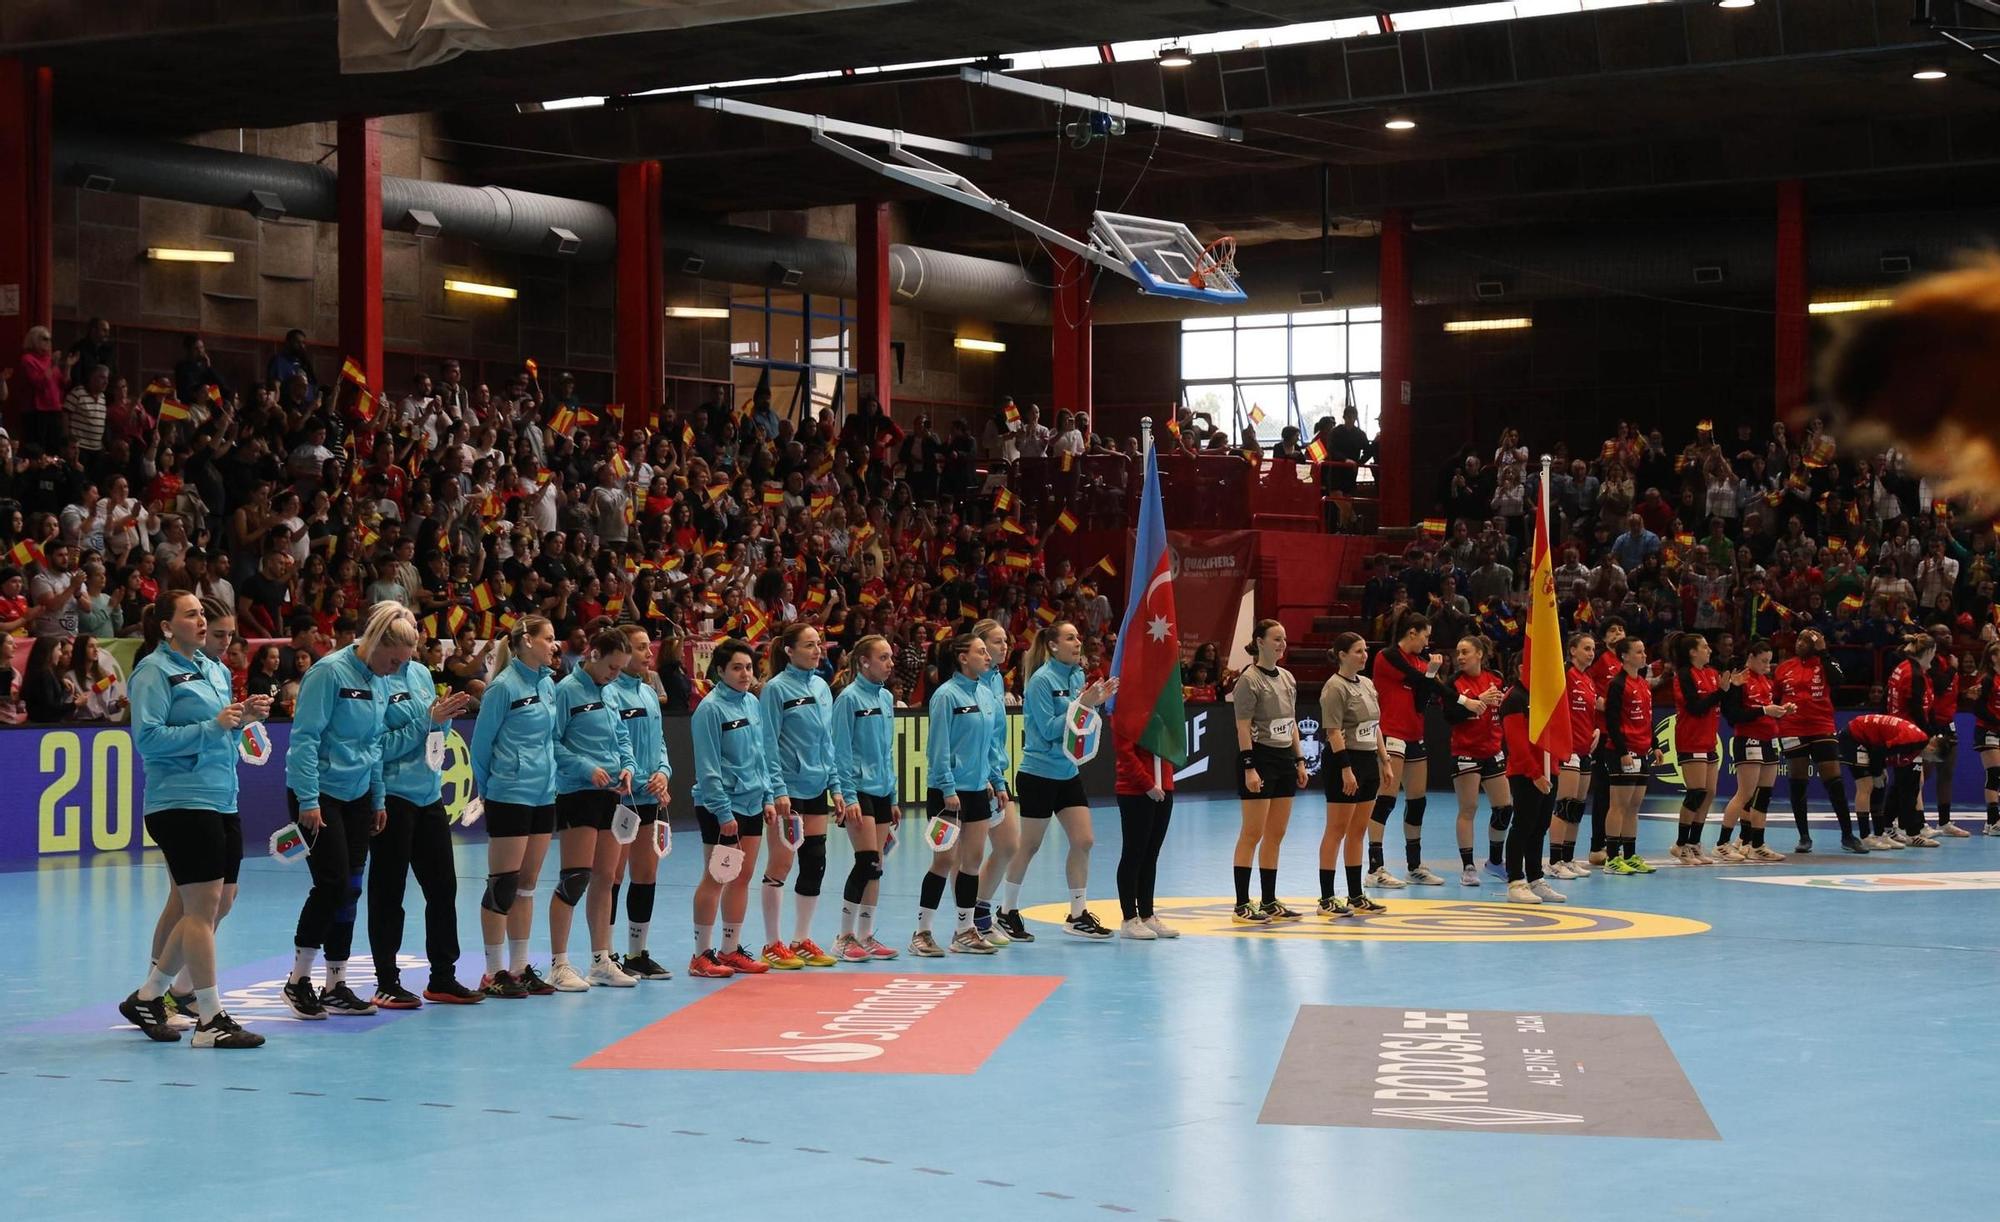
{"x": 1494, "y": 851}
{"x": 864, "y": 921}
{"x": 1722, "y": 837}
{"x": 1837, "y": 794}
{"x": 1796, "y": 789}
{"x": 1465, "y": 859}
{"x": 847, "y": 915}
{"x": 635, "y": 937}
{"x": 924, "y": 918}
{"x": 494, "y": 961}
{"x": 704, "y": 938}
{"x": 184, "y": 980}
{"x": 769, "y": 896}
{"x": 802, "y": 923}
{"x": 1413, "y": 853}
{"x": 964, "y": 920}
{"x": 1267, "y": 882}
{"x": 1374, "y": 856}
{"x": 599, "y": 958}
{"x": 336, "y": 973}
{"x": 1327, "y": 878}
{"x": 302, "y": 962}
{"x": 1076, "y": 901}
{"x": 156, "y": 984}
{"x": 517, "y": 954}
{"x": 558, "y": 959}
{"x": 1010, "y": 896}
{"x": 732, "y": 939}
{"x": 1353, "y": 881}
{"x": 1242, "y": 885}
{"x": 208, "y": 1003}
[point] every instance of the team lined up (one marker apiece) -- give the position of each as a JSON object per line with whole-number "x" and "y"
{"x": 1373, "y": 717}
{"x": 582, "y": 762}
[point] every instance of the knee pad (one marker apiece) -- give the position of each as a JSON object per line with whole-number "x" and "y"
{"x": 1413, "y": 812}
{"x": 1694, "y": 799}
{"x": 1993, "y": 778}
{"x": 812, "y": 864}
{"x": 1501, "y": 817}
{"x": 638, "y": 902}
{"x": 774, "y": 882}
{"x": 1760, "y": 800}
{"x": 571, "y": 883}
{"x": 345, "y": 913}
{"x": 1382, "y": 808}
{"x": 500, "y": 889}
{"x": 869, "y": 862}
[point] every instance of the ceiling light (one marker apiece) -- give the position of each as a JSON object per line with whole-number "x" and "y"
{"x": 1928, "y": 74}
{"x": 477, "y": 289}
{"x": 170, "y": 254}
{"x": 1847, "y": 307}
{"x": 978, "y": 345}
{"x": 1465, "y": 325}
{"x": 1736, "y": 3}
{"x": 1400, "y": 125}
{"x": 697, "y": 312}
{"x": 1174, "y": 55}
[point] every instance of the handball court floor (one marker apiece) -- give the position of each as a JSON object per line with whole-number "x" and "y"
{"x": 1824, "y": 1046}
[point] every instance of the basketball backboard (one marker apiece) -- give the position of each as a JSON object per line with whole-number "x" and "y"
{"x": 1164, "y": 256}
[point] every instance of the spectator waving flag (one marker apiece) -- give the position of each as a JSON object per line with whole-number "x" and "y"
{"x": 1147, "y": 661}
{"x": 1542, "y": 656}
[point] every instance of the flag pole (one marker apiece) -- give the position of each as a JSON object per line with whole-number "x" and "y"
{"x": 1145, "y": 436}
{"x": 1542, "y": 529}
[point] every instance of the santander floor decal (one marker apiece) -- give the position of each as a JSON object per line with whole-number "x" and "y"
{"x": 847, "y": 1023}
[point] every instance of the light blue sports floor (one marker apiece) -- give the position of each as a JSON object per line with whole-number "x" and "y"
{"x": 1843, "y": 1040}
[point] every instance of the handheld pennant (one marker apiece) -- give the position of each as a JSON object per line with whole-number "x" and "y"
{"x": 253, "y": 745}
{"x": 1083, "y": 733}
{"x": 942, "y": 834}
{"x": 725, "y": 863}
{"x": 624, "y": 824}
{"x": 288, "y": 844}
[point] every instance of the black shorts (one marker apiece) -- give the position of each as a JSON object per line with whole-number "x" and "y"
{"x": 1367, "y": 768}
{"x": 648, "y": 812}
{"x": 1407, "y": 748}
{"x": 505, "y": 819}
{"x": 1488, "y": 767}
{"x": 1039, "y": 797}
{"x": 973, "y": 806}
{"x": 1821, "y": 748}
{"x": 1619, "y": 776}
{"x": 816, "y": 805}
{"x": 1578, "y": 762}
{"x": 1987, "y": 740}
{"x": 586, "y": 808}
{"x": 748, "y": 827}
{"x": 1280, "y": 770}
{"x": 880, "y": 809}
{"x": 1862, "y": 760}
{"x": 1707, "y": 756}
{"x": 1753, "y": 750}
{"x": 198, "y": 844}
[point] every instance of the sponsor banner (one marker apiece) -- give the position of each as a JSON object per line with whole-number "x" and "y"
{"x": 850, "y": 1022}
{"x": 1412, "y": 921}
{"x": 1211, "y": 571}
{"x": 1882, "y": 884}
{"x": 253, "y": 993}
{"x": 1572, "y": 1075}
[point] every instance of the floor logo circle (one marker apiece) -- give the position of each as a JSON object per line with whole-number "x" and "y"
{"x": 1415, "y": 921}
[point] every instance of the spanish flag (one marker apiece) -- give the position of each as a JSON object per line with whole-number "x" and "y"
{"x": 482, "y": 597}
{"x": 1003, "y": 500}
{"x": 563, "y": 421}
{"x": 1013, "y": 415}
{"x": 822, "y": 502}
{"x": 352, "y": 372}
{"x": 687, "y": 434}
{"x": 533, "y": 369}
{"x": 715, "y": 491}
{"x": 1317, "y": 450}
{"x": 1018, "y": 560}
{"x": 1434, "y": 527}
{"x": 1045, "y": 613}
{"x": 1067, "y": 521}
{"x": 364, "y": 404}
{"x": 159, "y": 386}
{"x": 103, "y": 683}
{"x": 585, "y": 418}
{"x": 1110, "y": 569}
{"x": 754, "y": 626}
{"x": 1010, "y": 526}
{"x": 213, "y": 392}
{"x": 28, "y": 552}
{"x": 774, "y": 496}
{"x": 173, "y": 409}
{"x": 1853, "y": 602}
{"x": 1542, "y": 655}
{"x": 454, "y": 618}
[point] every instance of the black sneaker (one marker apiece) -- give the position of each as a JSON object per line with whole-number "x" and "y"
{"x": 1013, "y": 926}
{"x": 1805, "y": 845}
{"x": 450, "y": 992}
{"x": 1362, "y": 905}
{"x": 304, "y": 1000}
{"x": 1086, "y": 926}
{"x": 150, "y": 1017}
{"x": 644, "y": 966}
{"x": 341, "y": 1001}
{"x": 502, "y": 984}
{"x": 1852, "y": 844}
{"x": 532, "y": 981}
{"x": 223, "y": 1031}
{"x": 182, "y": 1002}
{"x": 393, "y": 996}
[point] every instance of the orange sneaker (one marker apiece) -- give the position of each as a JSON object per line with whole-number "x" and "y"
{"x": 780, "y": 956}
{"x": 707, "y": 963}
{"x": 807, "y": 951}
{"x": 744, "y": 962}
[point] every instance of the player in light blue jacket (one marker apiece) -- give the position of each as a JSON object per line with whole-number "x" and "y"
{"x": 514, "y": 773}
{"x": 333, "y": 768}
{"x": 639, "y": 706}
{"x": 736, "y": 791}
{"x": 962, "y": 773}
{"x": 185, "y": 724}
{"x": 594, "y": 775}
{"x": 798, "y": 732}
{"x": 864, "y": 761}
{"x": 1048, "y": 783}
{"x": 1003, "y": 833}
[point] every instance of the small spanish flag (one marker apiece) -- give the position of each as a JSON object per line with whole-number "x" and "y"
{"x": 103, "y": 683}
{"x": 482, "y": 597}
{"x": 454, "y": 619}
{"x": 27, "y": 552}
{"x": 364, "y": 404}
{"x": 869, "y": 598}
{"x": 1174, "y": 428}
{"x": 585, "y": 418}
{"x": 1317, "y": 450}
{"x": 563, "y": 421}
{"x": 1110, "y": 569}
{"x": 352, "y": 372}
{"x": 864, "y": 532}
{"x": 755, "y": 625}
{"x": 1684, "y": 539}
{"x": 687, "y": 434}
{"x": 1045, "y": 613}
{"x": 1003, "y": 500}
{"x": 507, "y": 620}
{"x": 1066, "y": 521}
{"x": 1013, "y": 415}
{"x": 369, "y": 536}
{"x": 1018, "y": 560}
{"x": 1434, "y": 526}
{"x": 213, "y": 392}
{"x": 822, "y": 502}
{"x": 159, "y": 386}
{"x": 1256, "y": 414}
{"x": 533, "y": 369}
{"x": 1068, "y": 461}
{"x": 1853, "y": 602}
{"x": 173, "y": 409}
{"x": 774, "y": 496}
{"x": 1010, "y": 526}
{"x": 715, "y": 491}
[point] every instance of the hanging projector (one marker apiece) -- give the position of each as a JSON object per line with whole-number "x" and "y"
{"x": 1094, "y": 126}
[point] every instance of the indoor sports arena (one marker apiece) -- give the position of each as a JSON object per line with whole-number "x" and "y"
{"x": 1176, "y": 610}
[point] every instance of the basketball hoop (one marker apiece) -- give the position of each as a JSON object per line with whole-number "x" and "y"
{"x": 1217, "y": 256}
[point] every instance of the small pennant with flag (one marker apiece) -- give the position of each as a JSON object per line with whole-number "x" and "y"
{"x": 1067, "y": 522}
{"x": 1256, "y": 414}
{"x": 351, "y": 371}
{"x": 159, "y": 386}
{"x": 1317, "y": 451}
{"x": 173, "y": 409}
{"x": 1003, "y": 500}
{"x": 27, "y": 552}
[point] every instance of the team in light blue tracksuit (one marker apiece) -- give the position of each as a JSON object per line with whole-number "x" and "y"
{"x": 189, "y": 757}
{"x": 735, "y": 778}
{"x": 864, "y": 740}
{"x": 1044, "y": 709}
{"x": 334, "y": 764}
{"x": 591, "y": 739}
{"x": 514, "y": 772}
{"x": 864, "y": 760}
{"x": 639, "y": 707}
{"x": 511, "y": 761}
{"x": 965, "y": 761}
{"x": 589, "y": 735}
{"x": 415, "y": 839}
{"x": 798, "y": 731}
{"x": 968, "y": 737}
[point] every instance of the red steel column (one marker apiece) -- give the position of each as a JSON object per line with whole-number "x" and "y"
{"x": 1792, "y": 349}
{"x": 1070, "y": 337}
{"x": 27, "y": 246}
{"x": 1393, "y": 442}
{"x": 873, "y": 357}
{"x": 359, "y": 208}
{"x": 641, "y": 300}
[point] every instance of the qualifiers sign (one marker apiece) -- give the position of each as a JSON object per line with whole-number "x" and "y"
{"x": 847, "y": 1023}
{"x": 1583, "y": 1075}
{"x": 1882, "y": 884}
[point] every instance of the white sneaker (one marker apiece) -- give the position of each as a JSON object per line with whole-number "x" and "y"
{"x": 1951, "y": 830}
{"x": 1992, "y": 829}
{"x": 1469, "y": 876}
{"x": 1137, "y": 930}
{"x": 1695, "y": 857}
{"x": 1556, "y": 869}
{"x": 1160, "y": 928}
{"x": 1577, "y": 869}
{"x": 1520, "y": 893}
{"x": 1678, "y": 852}
{"x": 1900, "y": 837}
{"x": 1924, "y": 840}
{"x": 1764, "y": 855}
{"x": 1380, "y": 877}
{"x": 1728, "y": 852}
{"x": 566, "y": 979}
{"x": 607, "y": 974}
{"x": 1548, "y": 894}
{"x": 1889, "y": 843}
{"x": 1425, "y": 876}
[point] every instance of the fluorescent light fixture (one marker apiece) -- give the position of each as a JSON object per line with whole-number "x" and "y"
{"x": 476, "y": 289}
{"x": 697, "y": 312}
{"x": 1847, "y": 307}
{"x": 1464, "y": 325}
{"x": 1401, "y": 125}
{"x": 1928, "y": 74}
{"x": 172, "y": 254}
{"x": 1174, "y": 55}
{"x": 1736, "y": 3}
{"x": 978, "y": 345}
